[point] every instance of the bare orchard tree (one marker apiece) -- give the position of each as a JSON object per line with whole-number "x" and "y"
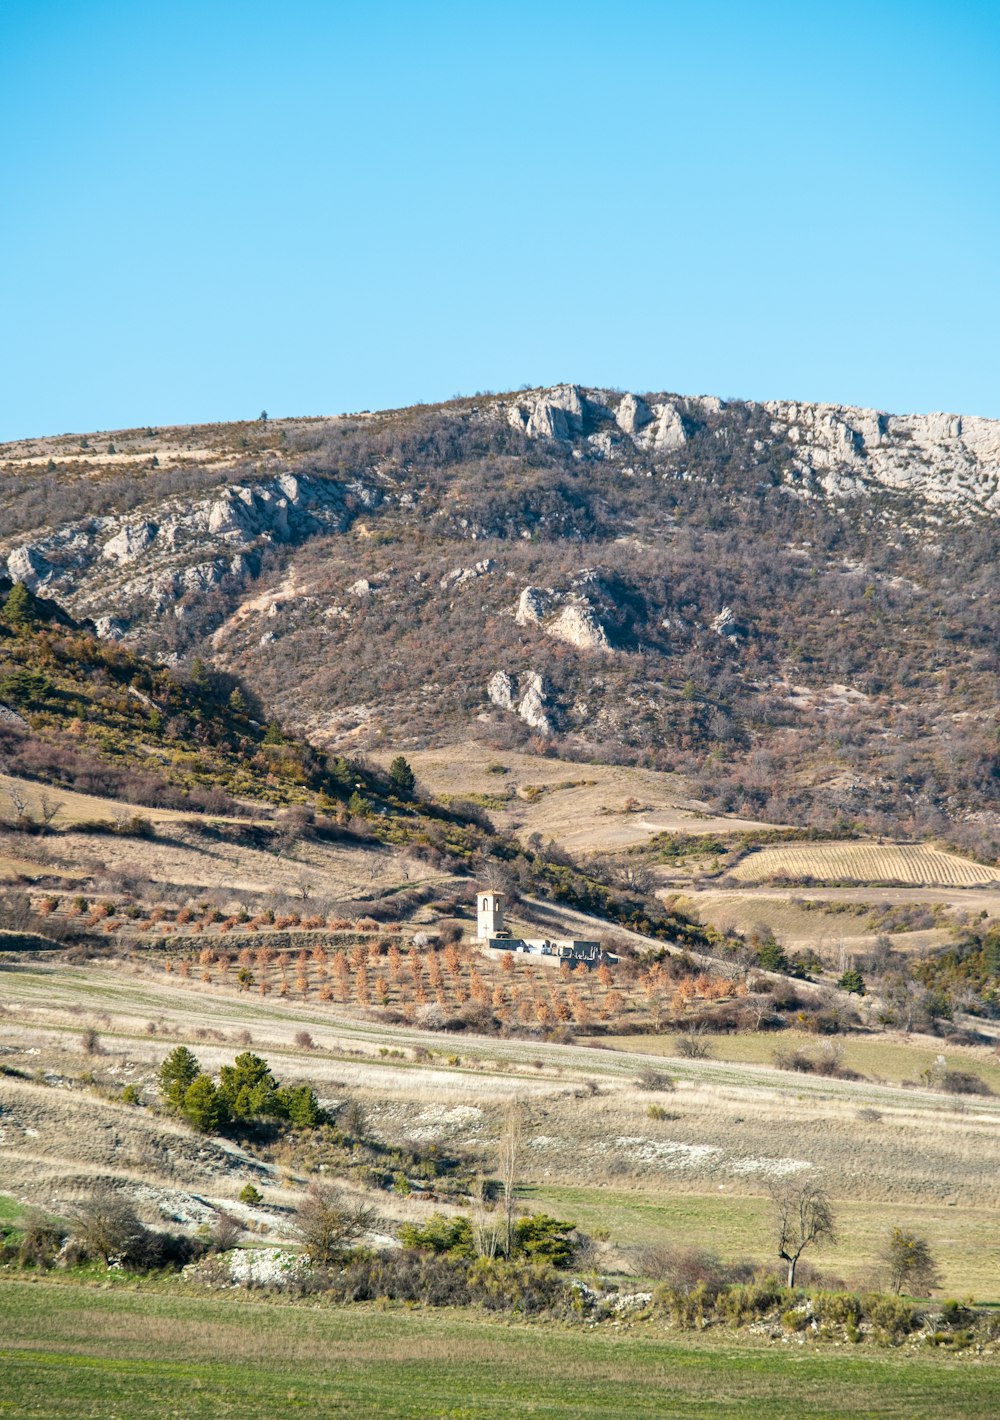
{"x": 802, "y": 1216}
{"x": 508, "y": 1162}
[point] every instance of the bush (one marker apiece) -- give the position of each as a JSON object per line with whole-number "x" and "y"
{"x": 650, "y": 1079}
{"x": 41, "y": 1239}
{"x": 891, "y": 1319}
{"x": 250, "y": 1195}
{"x": 963, "y": 1082}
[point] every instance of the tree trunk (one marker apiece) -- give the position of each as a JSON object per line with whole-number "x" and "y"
{"x": 791, "y": 1271}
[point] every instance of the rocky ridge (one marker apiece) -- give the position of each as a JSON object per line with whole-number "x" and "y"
{"x": 835, "y": 450}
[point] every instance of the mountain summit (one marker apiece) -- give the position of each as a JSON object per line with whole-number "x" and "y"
{"x": 789, "y": 601}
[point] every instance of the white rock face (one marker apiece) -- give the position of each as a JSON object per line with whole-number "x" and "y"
{"x": 577, "y": 624}
{"x": 844, "y": 451}
{"x": 633, "y": 414}
{"x": 146, "y": 564}
{"x": 361, "y": 588}
{"x": 130, "y": 542}
{"x": 725, "y": 624}
{"x": 502, "y": 690}
{"x": 12, "y": 718}
{"x": 534, "y": 709}
{"x": 839, "y": 450}
{"x": 27, "y": 564}
{"x": 667, "y": 432}
{"x": 533, "y": 605}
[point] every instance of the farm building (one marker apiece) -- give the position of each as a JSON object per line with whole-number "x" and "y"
{"x": 491, "y": 932}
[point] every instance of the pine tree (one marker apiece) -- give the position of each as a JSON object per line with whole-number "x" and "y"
{"x": 19, "y": 607}
{"x": 179, "y": 1070}
{"x": 401, "y": 778}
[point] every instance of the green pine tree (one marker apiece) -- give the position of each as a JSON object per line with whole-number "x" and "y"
{"x": 179, "y": 1070}
{"x": 19, "y": 607}
{"x": 401, "y": 778}
{"x": 204, "y": 1106}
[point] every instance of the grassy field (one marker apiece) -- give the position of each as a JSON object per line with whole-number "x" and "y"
{"x": 890, "y": 1058}
{"x": 737, "y": 1226}
{"x": 915, "y": 863}
{"x": 115, "y": 1355}
{"x": 581, "y": 806}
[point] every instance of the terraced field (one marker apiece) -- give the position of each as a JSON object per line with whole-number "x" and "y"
{"x": 914, "y": 863}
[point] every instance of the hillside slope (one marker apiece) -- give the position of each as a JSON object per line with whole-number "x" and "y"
{"x": 787, "y": 602}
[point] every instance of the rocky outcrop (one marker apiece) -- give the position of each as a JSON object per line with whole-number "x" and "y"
{"x": 459, "y": 576}
{"x": 532, "y": 606}
{"x": 577, "y": 625}
{"x": 534, "y": 708}
{"x": 567, "y": 616}
{"x": 633, "y": 414}
{"x": 667, "y": 432}
{"x": 12, "y": 719}
{"x": 502, "y": 690}
{"x": 129, "y": 542}
{"x": 725, "y": 624}
{"x": 129, "y": 568}
{"x": 843, "y": 451}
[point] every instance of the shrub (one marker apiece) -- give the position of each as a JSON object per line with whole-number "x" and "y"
{"x": 891, "y": 1319}
{"x": 650, "y": 1079}
{"x": 963, "y": 1082}
{"x": 250, "y": 1195}
{"x": 329, "y": 1223}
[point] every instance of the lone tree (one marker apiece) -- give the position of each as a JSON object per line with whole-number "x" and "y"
{"x": 802, "y": 1215}
{"x": 401, "y": 778}
{"x": 909, "y": 1263}
{"x": 108, "y": 1226}
{"x": 19, "y": 607}
{"x": 510, "y": 1149}
{"x": 330, "y": 1224}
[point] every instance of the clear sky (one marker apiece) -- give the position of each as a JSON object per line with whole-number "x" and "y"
{"x": 211, "y": 208}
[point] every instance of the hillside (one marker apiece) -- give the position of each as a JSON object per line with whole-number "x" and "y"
{"x": 785, "y": 602}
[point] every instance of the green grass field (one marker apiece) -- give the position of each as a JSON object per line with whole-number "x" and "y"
{"x": 877, "y": 1058}
{"x": 66, "y": 1351}
{"x": 963, "y": 1240}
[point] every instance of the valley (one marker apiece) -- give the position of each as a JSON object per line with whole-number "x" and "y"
{"x": 268, "y": 723}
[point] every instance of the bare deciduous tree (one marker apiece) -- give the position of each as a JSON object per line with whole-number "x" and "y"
{"x": 329, "y": 1223}
{"x": 802, "y": 1216}
{"x": 509, "y": 1158}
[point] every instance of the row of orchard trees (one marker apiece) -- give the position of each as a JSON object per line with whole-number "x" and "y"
{"x": 379, "y": 973}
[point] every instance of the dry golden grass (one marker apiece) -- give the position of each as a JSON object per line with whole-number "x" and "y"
{"x": 798, "y": 927}
{"x": 580, "y": 806}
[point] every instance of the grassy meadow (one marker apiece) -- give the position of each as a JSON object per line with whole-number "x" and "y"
{"x": 113, "y": 1355}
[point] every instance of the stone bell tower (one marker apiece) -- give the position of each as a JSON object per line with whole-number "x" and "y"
{"x": 490, "y": 912}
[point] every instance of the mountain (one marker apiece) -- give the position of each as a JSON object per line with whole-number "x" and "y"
{"x": 788, "y": 602}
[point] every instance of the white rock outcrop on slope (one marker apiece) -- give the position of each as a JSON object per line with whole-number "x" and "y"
{"x": 534, "y": 708}
{"x": 460, "y": 575}
{"x": 844, "y": 451}
{"x": 502, "y": 690}
{"x": 577, "y": 624}
{"x": 836, "y": 450}
{"x": 725, "y": 624}
{"x": 533, "y": 606}
{"x": 633, "y": 414}
{"x": 142, "y": 565}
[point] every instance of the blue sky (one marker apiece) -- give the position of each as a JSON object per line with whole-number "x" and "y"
{"x": 209, "y": 209}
